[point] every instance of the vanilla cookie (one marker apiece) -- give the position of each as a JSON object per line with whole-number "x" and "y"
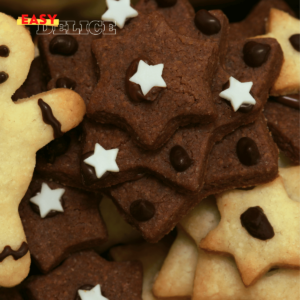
{"x": 285, "y": 29}
{"x": 260, "y": 228}
{"x": 26, "y": 126}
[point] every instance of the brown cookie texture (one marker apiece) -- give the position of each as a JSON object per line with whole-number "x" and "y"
{"x": 118, "y": 280}
{"x": 255, "y": 23}
{"x": 76, "y": 71}
{"x": 197, "y": 141}
{"x": 187, "y": 98}
{"x": 10, "y": 294}
{"x": 284, "y": 123}
{"x": 35, "y": 82}
{"x": 60, "y": 160}
{"x": 224, "y": 171}
{"x": 53, "y": 238}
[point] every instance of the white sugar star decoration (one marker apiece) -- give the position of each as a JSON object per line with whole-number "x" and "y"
{"x": 119, "y": 12}
{"x": 238, "y": 93}
{"x": 48, "y": 200}
{"x": 103, "y": 160}
{"x": 148, "y": 76}
{"x": 93, "y": 294}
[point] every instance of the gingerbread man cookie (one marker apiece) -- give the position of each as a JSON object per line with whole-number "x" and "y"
{"x": 26, "y": 126}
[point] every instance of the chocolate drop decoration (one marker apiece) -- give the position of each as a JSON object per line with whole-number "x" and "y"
{"x": 256, "y": 54}
{"x": 63, "y": 44}
{"x": 65, "y": 82}
{"x": 257, "y": 224}
{"x": 134, "y": 90}
{"x": 179, "y": 159}
{"x": 4, "y": 51}
{"x": 142, "y": 210}
{"x": 56, "y": 148}
{"x": 247, "y": 152}
{"x": 292, "y": 101}
{"x": 207, "y": 23}
{"x": 166, "y": 3}
{"x": 3, "y": 77}
{"x": 49, "y": 119}
{"x": 7, "y": 251}
{"x": 295, "y": 41}
{"x": 86, "y": 287}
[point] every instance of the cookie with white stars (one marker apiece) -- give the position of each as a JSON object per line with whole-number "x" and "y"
{"x": 154, "y": 208}
{"x": 262, "y": 226}
{"x": 84, "y": 271}
{"x": 73, "y": 226}
{"x": 285, "y": 29}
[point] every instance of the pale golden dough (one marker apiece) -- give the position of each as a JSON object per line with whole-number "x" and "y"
{"x": 291, "y": 181}
{"x": 281, "y": 26}
{"x": 22, "y": 133}
{"x": 254, "y": 257}
{"x": 175, "y": 279}
{"x": 150, "y": 255}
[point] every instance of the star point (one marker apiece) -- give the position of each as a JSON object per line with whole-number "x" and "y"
{"x": 238, "y": 93}
{"x": 119, "y": 12}
{"x": 148, "y": 76}
{"x": 93, "y": 294}
{"x": 48, "y": 200}
{"x": 103, "y": 160}
{"x": 254, "y": 256}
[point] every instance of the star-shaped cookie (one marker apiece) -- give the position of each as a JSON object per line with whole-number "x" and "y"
{"x": 245, "y": 217}
{"x": 187, "y": 98}
{"x": 285, "y": 29}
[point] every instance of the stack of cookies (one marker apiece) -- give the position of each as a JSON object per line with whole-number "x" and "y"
{"x": 180, "y": 106}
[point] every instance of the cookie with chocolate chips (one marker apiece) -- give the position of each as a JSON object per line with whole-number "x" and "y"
{"x": 69, "y": 62}
{"x": 57, "y": 225}
{"x": 224, "y": 170}
{"x": 84, "y": 271}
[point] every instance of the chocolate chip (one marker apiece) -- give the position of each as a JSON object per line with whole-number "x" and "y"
{"x": 63, "y": 44}
{"x": 244, "y": 108}
{"x": 4, "y": 51}
{"x": 288, "y": 100}
{"x": 3, "y": 77}
{"x": 255, "y": 54}
{"x": 166, "y": 3}
{"x": 65, "y": 82}
{"x": 134, "y": 90}
{"x": 142, "y": 210}
{"x": 207, "y": 23}
{"x": 179, "y": 159}
{"x": 295, "y": 41}
{"x": 51, "y": 214}
{"x": 247, "y": 152}
{"x": 56, "y": 148}
{"x": 257, "y": 224}
{"x": 86, "y": 287}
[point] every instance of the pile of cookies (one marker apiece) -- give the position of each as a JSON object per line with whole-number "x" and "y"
{"x": 147, "y": 125}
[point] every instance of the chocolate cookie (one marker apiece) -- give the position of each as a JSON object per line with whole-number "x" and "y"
{"x": 85, "y": 270}
{"x": 186, "y": 98}
{"x": 10, "y": 294}
{"x": 35, "y": 82}
{"x": 284, "y": 122}
{"x": 69, "y": 62}
{"x": 154, "y": 209}
{"x": 53, "y": 238}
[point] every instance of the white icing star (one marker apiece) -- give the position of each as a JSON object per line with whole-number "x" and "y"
{"x": 148, "y": 76}
{"x": 93, "y": 294}
{"x": 48, "y": 200}
{"x": 103, "y": 160}
{"x": 119, "y": 12}
{"x": 238, "y": 93}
